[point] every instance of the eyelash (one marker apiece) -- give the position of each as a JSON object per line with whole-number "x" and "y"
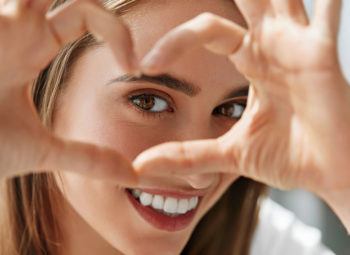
{"x": 241, "y": 101}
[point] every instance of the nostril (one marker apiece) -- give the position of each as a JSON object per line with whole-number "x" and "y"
{"x": 201, "y": 181}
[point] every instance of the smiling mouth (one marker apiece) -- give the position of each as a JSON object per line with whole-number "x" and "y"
{"x": 163, "y": 211}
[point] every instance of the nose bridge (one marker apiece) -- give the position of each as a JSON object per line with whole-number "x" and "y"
{"x": 194, "y": 129}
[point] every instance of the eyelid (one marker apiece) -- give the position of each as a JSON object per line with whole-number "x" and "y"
{"x": 240, "y": 98}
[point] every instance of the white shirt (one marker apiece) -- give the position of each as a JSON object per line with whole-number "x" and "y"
{"x": 279, "y": 232}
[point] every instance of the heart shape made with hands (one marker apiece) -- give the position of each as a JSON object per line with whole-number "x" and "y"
{"x": 287, "y": 137}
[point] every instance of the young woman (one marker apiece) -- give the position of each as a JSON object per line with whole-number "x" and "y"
{"x": 89, "y": 199}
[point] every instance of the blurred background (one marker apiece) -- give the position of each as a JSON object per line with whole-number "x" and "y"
{"x": 306, "y": 206}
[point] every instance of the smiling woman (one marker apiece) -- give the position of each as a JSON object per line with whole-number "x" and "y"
{"x": 67, "y": 214}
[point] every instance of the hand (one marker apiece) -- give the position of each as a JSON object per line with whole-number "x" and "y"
{"x": 295, "y": 129}
{"x": 30, "y": 38}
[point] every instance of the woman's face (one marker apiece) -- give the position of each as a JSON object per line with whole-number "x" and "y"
{"x": 200, "y": 97}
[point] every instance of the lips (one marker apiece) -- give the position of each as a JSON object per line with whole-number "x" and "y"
{"x": 174, "y": 214}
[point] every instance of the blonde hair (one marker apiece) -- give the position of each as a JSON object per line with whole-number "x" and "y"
{"x": 30, "y": 204}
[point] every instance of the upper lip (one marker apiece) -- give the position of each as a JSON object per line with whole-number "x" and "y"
{"x": 176, "y": 193}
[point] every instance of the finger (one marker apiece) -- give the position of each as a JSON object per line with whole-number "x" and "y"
{"x": 253, "y": 11}
{"x": 74, "y": 19}
{"x": 184, "y": 159}
{"x": 87, "y": 159}
{"x": 293, "y": 9}
{"x": 41, "y": 6}
{"x": 327, "y": 16}
{"x": 24, "y": 6}
{"x": 213, "y": 32}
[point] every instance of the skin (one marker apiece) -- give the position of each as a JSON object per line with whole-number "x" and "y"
{"x": 91, "y": 111}
{"x": 306, "y": 159}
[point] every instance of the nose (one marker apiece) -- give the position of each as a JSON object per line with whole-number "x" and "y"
{"x": 194, "y": 130}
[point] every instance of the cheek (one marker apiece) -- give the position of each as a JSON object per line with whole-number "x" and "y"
{"x": 131, "y": 139}
{"x": 102, "y": 124}
{"x": 224, "y": 183}
{"x": 98, "y": 207}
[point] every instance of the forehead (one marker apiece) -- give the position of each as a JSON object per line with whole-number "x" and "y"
{"x": 150, "y": 20}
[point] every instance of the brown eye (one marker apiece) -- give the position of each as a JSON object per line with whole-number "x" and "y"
{"x": 150, "y": 103}
{"x": 231, "y": 110}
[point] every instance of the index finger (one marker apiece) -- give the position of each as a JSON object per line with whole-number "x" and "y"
{"x": 78, "y": 17}
{"x": 215, "y": 33}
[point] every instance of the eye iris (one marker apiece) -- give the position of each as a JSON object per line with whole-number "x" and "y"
{"x": 232, "y": 110}
{"x": 145, "y": 102}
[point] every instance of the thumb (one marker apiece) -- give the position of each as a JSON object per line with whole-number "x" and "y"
{"x": 184, "y": 159}
{"x": 91, "y": 160}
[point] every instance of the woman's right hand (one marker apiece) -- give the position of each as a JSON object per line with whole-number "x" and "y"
{"x": 29, "y": 38}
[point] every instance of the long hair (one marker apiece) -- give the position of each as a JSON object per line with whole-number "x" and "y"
{"x": 31, "y": 204}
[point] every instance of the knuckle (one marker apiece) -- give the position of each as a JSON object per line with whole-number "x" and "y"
{"x": 185, "y": 159}
{"x": 209, "y": 20}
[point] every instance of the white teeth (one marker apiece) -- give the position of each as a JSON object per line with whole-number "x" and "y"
{"x": 167, "y": 205}
{"x": 170, "y": 205}
{"x": 193, "y": 203}
{"x": 158, "y": 202}
{"x": 146, "y": 199}
{"x": 183, "y": 206}
{"x": 136, "y": 193}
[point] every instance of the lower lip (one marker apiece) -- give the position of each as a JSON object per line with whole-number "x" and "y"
{"x": 161, "y": 221}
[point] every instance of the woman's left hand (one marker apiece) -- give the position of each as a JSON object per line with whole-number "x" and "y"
{"x": 295, "y": 129}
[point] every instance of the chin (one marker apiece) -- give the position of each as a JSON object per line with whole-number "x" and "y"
{"x": 153, "y": 244}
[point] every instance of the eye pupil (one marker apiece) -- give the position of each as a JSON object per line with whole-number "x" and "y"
{"x": 231, "y": 110}
{"x": 145, "y": 102}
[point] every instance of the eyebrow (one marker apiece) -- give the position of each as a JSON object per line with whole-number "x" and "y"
{"x": 163, "y": 80}
{"x": 176, "y": 84}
